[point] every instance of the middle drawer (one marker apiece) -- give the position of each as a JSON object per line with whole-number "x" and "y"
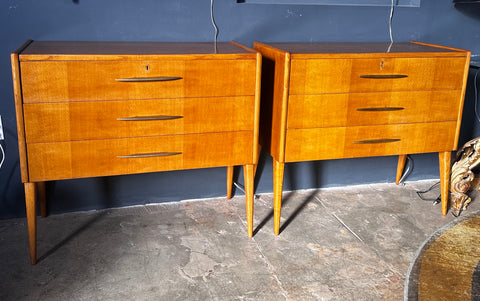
{"x": 69, "y": 121}
{"x": 352, "y": 109}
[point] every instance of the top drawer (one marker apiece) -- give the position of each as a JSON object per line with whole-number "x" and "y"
{"x": 317, "y": 76}
{"x": 59, "y": 81}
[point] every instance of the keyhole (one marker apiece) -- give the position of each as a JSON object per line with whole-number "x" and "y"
{"x": 381, "y": 64}
{"x": 147, "y": 67}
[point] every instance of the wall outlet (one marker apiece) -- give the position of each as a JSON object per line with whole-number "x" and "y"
{"x": 1, "y": 129}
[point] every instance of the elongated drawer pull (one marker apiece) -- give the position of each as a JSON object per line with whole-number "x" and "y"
{"x": 382, "y": 109}
{"x": 373, "y": 141}
{"x": 148, "y": 155}
{"x": 149, "y": 79}
{"x": 149, "y": 118}
{"x": 383, "y": 76}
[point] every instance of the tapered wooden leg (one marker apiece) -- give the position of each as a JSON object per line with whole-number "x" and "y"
{"x": 30, "y": 197}
{"x": 256, "y": 161}
{"x": 400, "y": 167}
{"x": 278, "y": 169}
{"x": 230, "y": 170}
{"x": 248, "y": 171}
{"x": 42, "y": 197}
{"x": 444, "y": 160}
{"x": 229, "y": 181}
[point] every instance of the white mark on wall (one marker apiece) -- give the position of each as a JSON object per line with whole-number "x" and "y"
{"x": 12, "y": 6}
{"x": 290, "y": 13}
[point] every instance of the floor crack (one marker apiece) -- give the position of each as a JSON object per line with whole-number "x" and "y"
{"x": 390, "y": 266}
{"x": 339, "y": 220}
{"x": 270, "y": 267}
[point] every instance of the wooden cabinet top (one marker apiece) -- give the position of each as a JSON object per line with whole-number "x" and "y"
{"x": 319, "y": 50}
{"x": 72, "y": 50}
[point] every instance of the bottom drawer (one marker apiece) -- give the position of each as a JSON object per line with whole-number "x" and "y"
{"x": 90, "y": 158}
{"x": 368, "y": 141}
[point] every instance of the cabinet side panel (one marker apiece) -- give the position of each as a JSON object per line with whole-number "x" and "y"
{"x": 258, "y": 91}
{"x": 258, "y": 88}
{"x": 17, "y": 89}
{"x": 462, "y": 98}
{"x": 273, "y": 112}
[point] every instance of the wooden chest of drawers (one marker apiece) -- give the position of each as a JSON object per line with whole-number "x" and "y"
{"x": 88, "y": 109}
{"x": 344, "y": 100}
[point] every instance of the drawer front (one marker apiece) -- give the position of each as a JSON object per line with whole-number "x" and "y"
{"x": 52, "y": 122}
{"x": 368, "y": 141}
{"x": 353, "y": 109}
{"x": 89, "y": 158}
{"x": 59, "y": 81}
{"x": 375, "y": 75}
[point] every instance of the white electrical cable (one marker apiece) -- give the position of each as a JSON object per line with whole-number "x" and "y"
{"x": 390, "y": 27}
{"x": 390, "y": 22}
{"x": 213, "y": 22}
{"x": 3, "y": 156}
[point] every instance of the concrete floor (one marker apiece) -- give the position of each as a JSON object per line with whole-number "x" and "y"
{"x": 348, "y": 243}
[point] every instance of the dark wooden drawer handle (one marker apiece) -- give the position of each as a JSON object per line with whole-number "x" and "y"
{"x": 149, "y": 79}
{"x": 373, "y": 141}
{"x": 383, "y": 76}
{"x": 380, "y": 109}
{"x": 148, "y": 155}
{"x": 149, "y": 118}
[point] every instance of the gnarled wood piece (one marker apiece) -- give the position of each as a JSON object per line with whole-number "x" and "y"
{"x": 467, "y": 158}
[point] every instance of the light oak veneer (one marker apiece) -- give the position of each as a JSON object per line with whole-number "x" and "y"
{"x": 345, "y": 100}
{"x": 88, "y": 109}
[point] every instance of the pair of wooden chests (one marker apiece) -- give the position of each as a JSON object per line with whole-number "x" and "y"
{"x": 90, "y": 109}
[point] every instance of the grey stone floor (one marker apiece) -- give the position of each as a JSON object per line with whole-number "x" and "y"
{"x": 348, "y": 243}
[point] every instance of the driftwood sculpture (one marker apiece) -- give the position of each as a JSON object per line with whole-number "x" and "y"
{"x": 467, "y": 158}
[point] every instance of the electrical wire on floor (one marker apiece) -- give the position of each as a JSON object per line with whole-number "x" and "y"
{"x": 439, "y": 198}
{"x": 436, "y": 200}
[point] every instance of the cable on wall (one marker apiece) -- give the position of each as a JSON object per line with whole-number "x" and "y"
{"x": 390, "y": 19}
{"x": 3, "y": 156}
{"x": 390, "y": 22}
{"x": 476, "y": 94}
{"x": 408, "y": 170}
{"x": 213, "y": 23}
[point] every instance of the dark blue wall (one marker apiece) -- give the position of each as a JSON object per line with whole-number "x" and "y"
{"x": 189, "y": 20}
